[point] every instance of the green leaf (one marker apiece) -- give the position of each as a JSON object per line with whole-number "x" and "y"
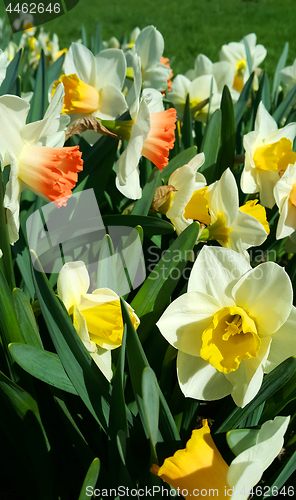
{"x": 84, "y": 374}
{"x": 150, "y": 393}
{"x": 277, "y": 77}
{"x": 154, "y": 294}
{"x": 54, "y": 71}
{"x": 187, "y": 137}
{"x": 280, "y": 399}
{"x": 142, "y": 206}
{"x": 240, "y": 105}
{"x": 8, "y": 322}
{"x": 151, "y": 225}
{"x": 272, "y": 382}
{"x": 281, "y": 110}
{"x": 181, "y": 159}
{"x": 137, "y": 363}
{"x": 22, "y": 256}
{"x": 39, "y": 102}
{"x": 26, "y": 319}
{"x": 20, "y": 420}
{"x": 263, "y": 95}
{"x": 6, "y": 260}
{"x": 11, "y": 74}
{"x": 98, "y": 39}
{"x": 90, "y": 480}
{"x": 44, "y": 365}
{"x": 211, "y": 145}
{"x": 227, "y": 149}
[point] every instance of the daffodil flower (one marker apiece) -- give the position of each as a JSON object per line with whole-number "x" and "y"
{"x": 97, "y": 316}
{"x": 235, "y": 53}
{"x": 288, "y": 76}
{"x": 149, "y": 46}
{"x": 221, "y": 71}
{"x": 285, "y": 197}
{"x": 269, "y": 151}
{"x": 215, "y": 206}
{"x": 35, "y": 154}
{"x": 93, "y": 83}
{"x": 200, "y": 470}
{"x": 199, "y": 94}
{"x": 233, "y": 325}
{"x": 150, "y": 133}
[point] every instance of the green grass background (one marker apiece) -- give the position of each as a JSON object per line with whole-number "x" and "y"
{"x": 189, "y": 27}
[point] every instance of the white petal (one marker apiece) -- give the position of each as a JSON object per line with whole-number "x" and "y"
{"x": 184, "y": 180}
{"x": 223, "y": 198}
{"x": 215, "y": 271}
{"x": 283, "y": 343}
{"x": 153, "y": 99}
{"x": 112, "y": 103}
{"x": 156, "y": 77}
{"x": 266, "y": 181}
{"x": 250, "y": 230}
{"x": 52, "y": 126}
{"x": 12, "y": 199}
{"x": 265, "y": 293}
{"x": 131, "y": 188}
{"x": 199, "y": 380}
{"x": 264, "y": 121}
{"x": 102, "y": 358}
{"x": 133, "y": 95}
{"x": 13, "y": 111}
{"x": 185, "y": 319}
{"x": 81, "y": 61}
{"x": 110, "y": 68}
{"x": 247, "y": 468}
{"x": 149, "y": 46}
{"x": 73, "y": 281}
{"x": 247, "y": 379}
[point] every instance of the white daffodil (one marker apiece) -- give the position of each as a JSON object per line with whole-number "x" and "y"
{"x": 150, "y": 133}
{"x": 233, "y": 325}
{"x": 288, "y": 76}
{"x": 149, "y": 46}
{"x": 222, "y": 72}
{"x": 216, "y": 207}
{"x": 285, "y": 197}
{"x": 97, "y": 316}
{"x": 35, "y": 154}
{"x": 200, "y": 468}
{"x": 235, "y": 53}
{"x": 269, "y": 151}
{"x": 93, "y": 83}
{"x": 132, "y": 38}
{"x": 199, "y": 93}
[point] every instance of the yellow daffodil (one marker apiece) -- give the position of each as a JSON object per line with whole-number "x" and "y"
{"x": 199, "y": 470}
{"x": 233, "y": 325}
{"x": 93, "y": 83}
{"x": 235, "y": 53}
{"x": 215, "y": 206}
{"x": 97, "y": 316}
{"x": 269, "y": 151}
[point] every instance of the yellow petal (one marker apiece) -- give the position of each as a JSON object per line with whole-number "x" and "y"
{"x": 198, "y": 207}
{"x": 253, "y": 208}
{"x": 275, "y": 157}
{"x": 79, "y": 96}
{"x": 230, "y": 338}
{"x": 198, "y": 466}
